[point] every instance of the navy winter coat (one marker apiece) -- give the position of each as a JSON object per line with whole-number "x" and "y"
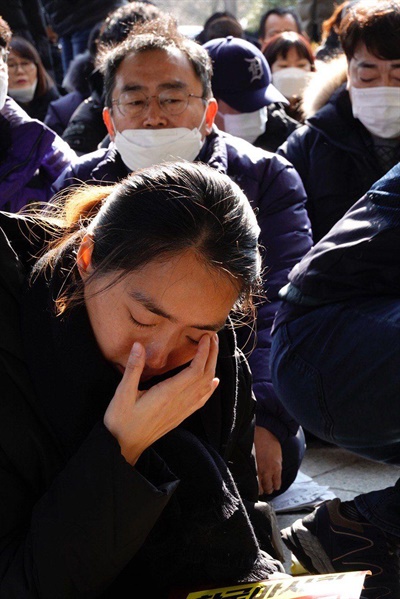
{"x": 334, "y": 156}
{"x": 277, "y": 195}
{"x": 359, "y": 257}
{"x": 60, "y": 111}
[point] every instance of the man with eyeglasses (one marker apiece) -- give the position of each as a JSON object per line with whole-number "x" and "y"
{"x": 32, "y": 156}
{"x": 159, "y": 107}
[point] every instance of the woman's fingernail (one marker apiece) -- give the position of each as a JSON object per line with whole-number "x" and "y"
{"x": 137, "y": 349}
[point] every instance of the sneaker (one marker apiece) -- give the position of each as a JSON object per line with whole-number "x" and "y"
{"x": 326, "y": 542}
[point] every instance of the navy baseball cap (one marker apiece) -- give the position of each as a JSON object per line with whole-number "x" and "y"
{"x": 241, "y": 74}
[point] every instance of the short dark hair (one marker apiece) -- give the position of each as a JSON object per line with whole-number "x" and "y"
{"x": 156, "y": 34}
{"x": 281, "y": 12}
{"x": 25, "y": 49}
{"x": 119, "y": 22}
{"x": 220, "y": 24}
{"x": 154, "y": 214}
{"x": 223, "y": 27}
{"x": 281, "y": 43}
{"x": 5, "y": 33}
{"x": 375, "y": 23}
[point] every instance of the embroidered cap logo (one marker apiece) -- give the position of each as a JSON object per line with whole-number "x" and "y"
{"x": 255, "y": 68}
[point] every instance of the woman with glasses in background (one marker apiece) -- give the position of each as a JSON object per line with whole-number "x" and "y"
{"x": 32, "y": 156}
{"x": 29, "y": 83}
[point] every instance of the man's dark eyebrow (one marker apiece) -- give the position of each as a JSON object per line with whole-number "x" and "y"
{"x": 150, "y": 305}
{"x": 366, "y": 64}
{"x": 169, "y": 85}
{"x": 134, "y": 87}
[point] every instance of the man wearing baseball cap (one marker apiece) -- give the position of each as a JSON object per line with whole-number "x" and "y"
{"x": 249, "y": 106}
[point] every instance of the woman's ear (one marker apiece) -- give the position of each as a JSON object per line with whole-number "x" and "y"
{"x": 84, "y": 256}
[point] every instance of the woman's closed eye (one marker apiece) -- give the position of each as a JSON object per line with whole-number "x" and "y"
{"x": 141, "y": 325}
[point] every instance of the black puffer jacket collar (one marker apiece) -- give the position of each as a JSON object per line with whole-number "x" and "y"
{"x": 335, "y": 121}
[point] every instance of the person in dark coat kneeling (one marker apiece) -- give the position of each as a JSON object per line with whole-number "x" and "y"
{"x": 127, "y": 407}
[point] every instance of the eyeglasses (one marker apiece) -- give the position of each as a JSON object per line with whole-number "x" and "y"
{"x": 26, "y": 65}
{"x": 171, "y": 101}
{"x": 4, "y": 54}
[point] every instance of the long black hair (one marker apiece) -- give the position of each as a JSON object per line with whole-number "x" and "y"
{"x": 154, "y": 214}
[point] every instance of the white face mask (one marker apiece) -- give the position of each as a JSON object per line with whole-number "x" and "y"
{"x": 247, "y": 125}
{"x": 23, "y": 94}
{"x": 378, "y": 108}
{"x": 140, "y": 148}
{"x": 291, "y": 81}
{"x": 3, "y": 87}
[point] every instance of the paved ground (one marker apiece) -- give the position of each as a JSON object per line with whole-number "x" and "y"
{"x": 346, "y": 475}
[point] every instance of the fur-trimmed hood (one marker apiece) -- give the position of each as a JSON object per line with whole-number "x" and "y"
{"x": 328, "y": 77}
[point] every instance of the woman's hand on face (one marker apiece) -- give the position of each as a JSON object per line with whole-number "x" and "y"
{"x": 138, "y": 418}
